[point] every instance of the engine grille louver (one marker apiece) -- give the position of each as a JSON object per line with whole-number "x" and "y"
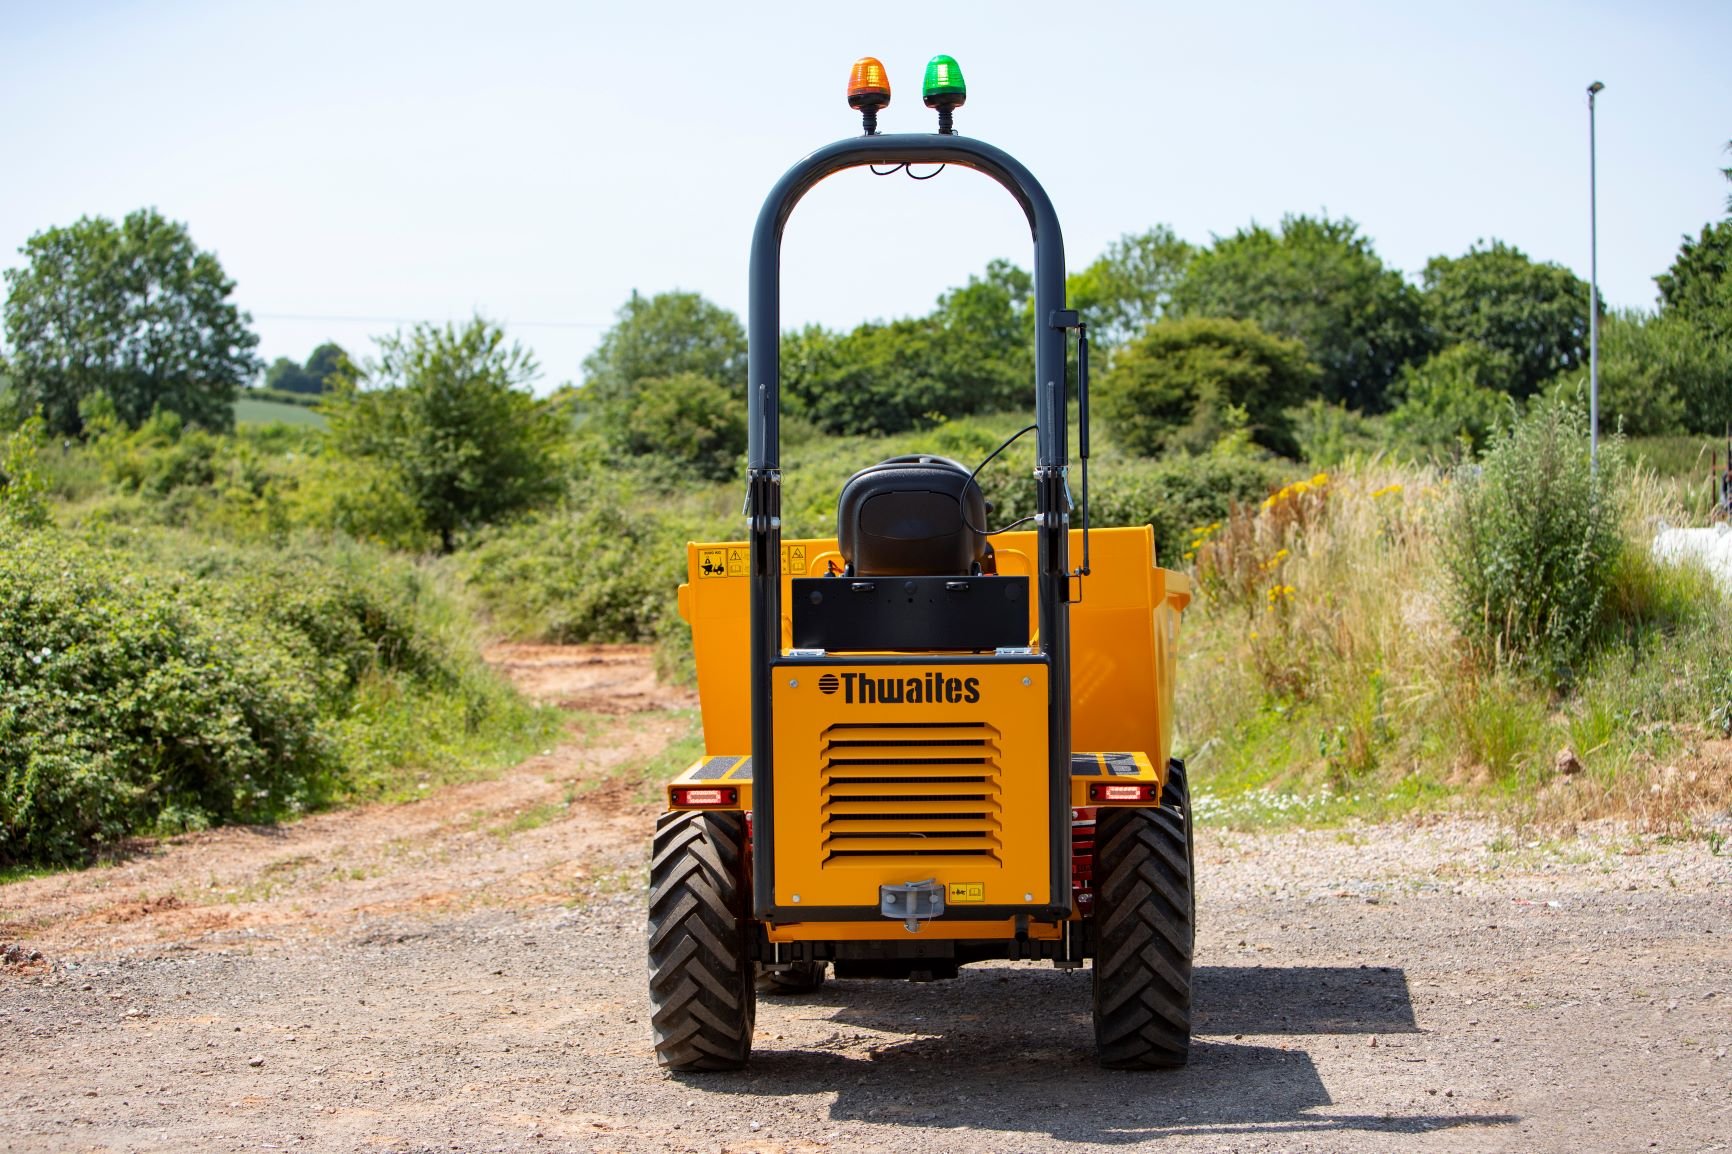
{"x": 923, "y": 793}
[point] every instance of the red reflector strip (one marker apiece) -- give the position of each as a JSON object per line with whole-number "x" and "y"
{"x": 685, "y": 795}
{"x": 1101, "y": 792}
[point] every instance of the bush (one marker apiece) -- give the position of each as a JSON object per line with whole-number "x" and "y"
{"x": 605, "y": 571}
{"x": 1458, "y": 395}
{"x": 1172, "y": 389}
{"x": 153, "y": 683}
{"x": 1532, "y": 542}
{"x": 689, "y": 421}
{"x": 1174, "y": 495}
{"x": 124, "y": 707}
{"x": 22, "y": 487}
{"x": 1329, "y": 434}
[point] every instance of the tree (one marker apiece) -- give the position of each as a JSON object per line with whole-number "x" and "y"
{"x": 450, "y": 412}
{"x": 133, "y": 311}
{"x": 973, "y": 353}
{"x": 663, "y": 336}
{"x": 1130, "y": 286}
{"x": 1727, "y": 173}
{"x": 1535, "y": 314}
{"x": 1319, "y": 282}
{"x": 287, "y": 375}
{"x": 1662, "y": 374}
{"x": 880, "y": 378}
{"x": 326, "y": 362}
{"x": 982, "y": 351}
{"x": 1697, "y": 289}
{"x": 1171, "y": 388}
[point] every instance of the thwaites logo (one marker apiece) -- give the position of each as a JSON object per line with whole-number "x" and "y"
{"x": 929, "y": 688}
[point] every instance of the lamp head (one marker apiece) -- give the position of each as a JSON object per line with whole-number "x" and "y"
{"x": 944, "y": 89}
{"x": 1595, "y": 87}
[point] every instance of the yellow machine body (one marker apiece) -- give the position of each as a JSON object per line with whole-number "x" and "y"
{"x": 855, "y": 775}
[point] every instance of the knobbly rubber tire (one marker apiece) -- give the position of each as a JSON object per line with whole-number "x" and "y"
{"x": 1176, "y": 794}
{"x": 1143, "y": 938}
{"x": 799, "y": 978}
{"x": 702, "y": 994}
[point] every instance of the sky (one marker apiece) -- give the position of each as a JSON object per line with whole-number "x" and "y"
{"x": 360, "y": 166}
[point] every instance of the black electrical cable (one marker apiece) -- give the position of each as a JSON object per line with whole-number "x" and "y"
{"x": 960, "y": 500}
{"x": 891, "y": 171}
{"x": 928, "y": 176}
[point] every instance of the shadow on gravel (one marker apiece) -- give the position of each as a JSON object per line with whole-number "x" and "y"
{"x": 1301, "y": 1000}
{"x": 1015, "y": 1053}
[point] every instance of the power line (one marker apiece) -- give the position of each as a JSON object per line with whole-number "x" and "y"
{"x": 333, "y": 318}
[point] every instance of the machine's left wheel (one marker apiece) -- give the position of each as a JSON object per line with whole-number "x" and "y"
{"x": 702, "y": 991}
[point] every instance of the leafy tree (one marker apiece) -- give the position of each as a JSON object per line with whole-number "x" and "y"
{"x": 450, "y": 412}
{"x": 690, "y": 420}
{"x": 1172, "y": 388}
{"x": 1130, "y": 286}
{"x": 1320, "y": 282}
{"x": 1461, "y": 393}
{"x": 880, "y": 378}
{"x": 973, "y": 353}
{"x": 325, "y": 363}
{"x": 1662, "y": 374}
{"x": 133, "y": 311}
{"x": 1535, "y": 314}
{"x": 663, "y": 336}
{"x": 1698, "y": 287}
{"x": 1727, "y": 173}
{"x": 286, "y": 373}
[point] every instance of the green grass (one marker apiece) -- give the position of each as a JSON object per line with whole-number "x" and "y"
{"x": 1678, "y": 456}
{"x": 249, "y": 411}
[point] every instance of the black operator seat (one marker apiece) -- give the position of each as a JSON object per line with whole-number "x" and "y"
{"x": 904, "y": 518}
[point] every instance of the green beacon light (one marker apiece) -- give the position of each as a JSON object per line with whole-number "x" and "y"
{"x": 944, "y": 89}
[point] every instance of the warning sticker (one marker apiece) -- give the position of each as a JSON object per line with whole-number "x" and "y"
{"x": 964, "y": 893}
{"x": 712, "y": 563}
{"x": 794, "y": 560}
{"x": 738, "y": 562}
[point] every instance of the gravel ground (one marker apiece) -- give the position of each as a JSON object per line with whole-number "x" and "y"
{"x": 1380, "y": 988}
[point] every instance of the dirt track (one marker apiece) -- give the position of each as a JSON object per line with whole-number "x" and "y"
{"x": 466, "y": 973}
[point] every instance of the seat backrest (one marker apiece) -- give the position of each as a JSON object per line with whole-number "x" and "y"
{"x": 904, "y": 518}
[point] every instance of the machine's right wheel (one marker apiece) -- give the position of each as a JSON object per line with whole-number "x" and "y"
{"x": 799, "y": 978}
{"x": 1143, "y": 938}
{"x": 702, "y": 995}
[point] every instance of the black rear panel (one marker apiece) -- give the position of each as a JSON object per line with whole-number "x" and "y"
{"x": 843, "y": 614}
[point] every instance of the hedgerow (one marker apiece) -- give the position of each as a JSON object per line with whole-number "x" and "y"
{"x": 151, "y": 684}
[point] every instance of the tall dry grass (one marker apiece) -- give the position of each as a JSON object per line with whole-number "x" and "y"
{"x": 1321, "y": 658}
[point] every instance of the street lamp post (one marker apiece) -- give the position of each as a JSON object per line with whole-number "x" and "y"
{"x": 1593, "y": 294}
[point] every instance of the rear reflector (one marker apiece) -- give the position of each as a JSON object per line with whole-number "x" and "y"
{"x": 1140, "y": 792}
{"x": 687, "y": 796}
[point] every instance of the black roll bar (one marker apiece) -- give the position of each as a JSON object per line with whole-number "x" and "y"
{"x": 763, "y": 461}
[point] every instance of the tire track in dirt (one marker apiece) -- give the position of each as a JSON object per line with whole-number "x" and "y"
{"x": 542, "y": 832}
